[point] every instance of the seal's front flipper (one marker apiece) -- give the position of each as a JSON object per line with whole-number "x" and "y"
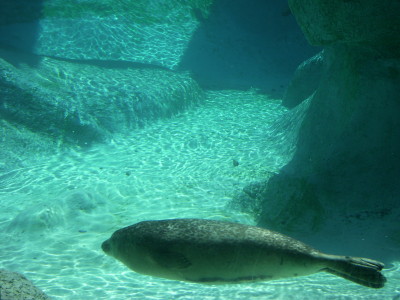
{"x": 363, "y": 271}
{"x": 171, "y": 260}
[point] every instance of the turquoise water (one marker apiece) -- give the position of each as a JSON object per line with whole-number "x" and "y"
{"x": 160, "y": 142}
{"x": 69, "y": 203}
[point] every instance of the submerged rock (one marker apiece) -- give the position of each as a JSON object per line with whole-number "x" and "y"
{"x": 82, "y": 103}
{"x": 15, "y": 286}
{"x": 155, "y": 32}
{"x": 346, "y": 158}
{"x": 368, "y": 22}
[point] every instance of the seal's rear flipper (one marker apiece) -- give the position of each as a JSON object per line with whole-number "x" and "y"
{"x": 363, "y": 271}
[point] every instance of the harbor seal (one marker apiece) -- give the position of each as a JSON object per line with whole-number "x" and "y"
{"x": 215, "y": 252}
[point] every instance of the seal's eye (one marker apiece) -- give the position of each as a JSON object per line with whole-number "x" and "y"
{"x": 106, "y": 246}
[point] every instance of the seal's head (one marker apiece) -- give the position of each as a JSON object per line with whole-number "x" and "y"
{"x": 106, "y": 246}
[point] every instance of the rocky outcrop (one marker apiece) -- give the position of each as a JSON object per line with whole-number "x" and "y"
{"x": 150, "y": 32}
{"x": 56, "y": 103}
{"x": 75, "y": 74}
{"x": 15, "y": 286}
{"x": 346, "y": 161}
{"x": 371, "y": 23}
{"x": 82, "y": 103}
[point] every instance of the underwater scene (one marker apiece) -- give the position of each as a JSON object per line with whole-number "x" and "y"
{"x": 199, "y": 149}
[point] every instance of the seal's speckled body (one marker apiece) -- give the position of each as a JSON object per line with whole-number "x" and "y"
{"x": 206, "y": 251}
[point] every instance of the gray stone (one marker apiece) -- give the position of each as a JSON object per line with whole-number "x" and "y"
{"x": 348, "y": 143}
{"x": 139, "y": 31}
{"x": 292, "y": 199}
{"x": 20, "y": 147}
{"x": 15, "y": 286}
{"x": 346, "y": 161}
{"x": 368, "y": 22}
{"x": 80, "y": 103}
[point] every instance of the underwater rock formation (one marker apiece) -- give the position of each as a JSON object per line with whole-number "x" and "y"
{"x": 223, "y": 43}
{"x": 370, "y": 23}
{"x": 75, "y": 74}
{"x": 347, "y": 160}
{"x": 80, "y": 103}
{"x": 152, "y": 32}
{"x": 15, "y": 286}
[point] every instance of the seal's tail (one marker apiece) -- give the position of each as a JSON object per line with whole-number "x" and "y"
{"x": 363, "y": 271}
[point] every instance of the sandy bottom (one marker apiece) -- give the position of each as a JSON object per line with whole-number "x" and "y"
{"x": 55, "y": 214}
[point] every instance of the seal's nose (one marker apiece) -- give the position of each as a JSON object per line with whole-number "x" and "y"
{"x": 106, "y": 246}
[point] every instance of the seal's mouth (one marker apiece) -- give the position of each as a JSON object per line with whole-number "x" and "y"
{"x": 106, "y": 246}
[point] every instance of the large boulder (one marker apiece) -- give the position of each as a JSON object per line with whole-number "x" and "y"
{"x": 347, "y": 145}
{"x": 15, "y": 286}
{"x": 346, "y": 168}
{"x": 142, "y": 31}
{"x": 82, "y": 103}
{"x": 367, "y": 22}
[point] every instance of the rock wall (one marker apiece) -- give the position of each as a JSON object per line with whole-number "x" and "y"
{"x": 77, "y": 73}
{"x": 82, "y": 103}
{"x": 15, "y": 286}
{"x": 150, "y": 32}
{"x": 370, "y": 23}
{"x": 57, "y": 104}
{"x": 346, "y": 168}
